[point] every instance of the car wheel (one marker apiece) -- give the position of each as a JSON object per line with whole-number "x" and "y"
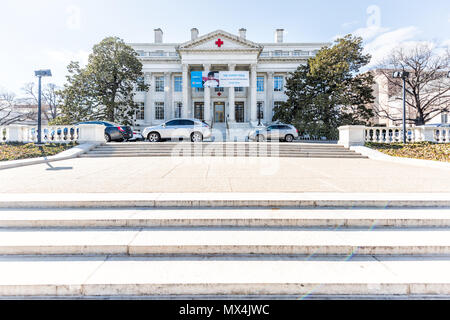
{"x": 196, "y": 137}
{"x": 107, "y": 137}
{"x": 289, "y": 138}
{"x": 260, "y": 138}
{"x": 154, "y": 137}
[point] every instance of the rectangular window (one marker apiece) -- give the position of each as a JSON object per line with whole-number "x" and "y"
{"x": 199, "y": 89}
{"x": 178, "y": 84}
{"x": 178, "y": 110}
{"x": 260, "y": 84}
{"x": 140, "y": 112}
{"x": 159, "y": 110}
{"x": 278, "y": 83}
{"x": 159, "y": 84}
{"x": 444, "y": 118}
{"x": 239, "y": 89}
{"x": 219, "y": 89}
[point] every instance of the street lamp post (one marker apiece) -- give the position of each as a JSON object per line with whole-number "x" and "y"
{"x": 403, "y": 75}
{"x": 40, "y": 74}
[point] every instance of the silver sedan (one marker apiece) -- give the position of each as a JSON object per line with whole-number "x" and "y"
{"x": 193, "y": 129}
{"x": 280, "y": 132}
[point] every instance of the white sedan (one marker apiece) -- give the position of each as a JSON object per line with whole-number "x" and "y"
{"x": 193, "y": 129}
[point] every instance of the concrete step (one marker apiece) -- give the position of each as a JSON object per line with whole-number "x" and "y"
{"x": 302, "y": 277}
{"x": 173, "y": 218}
{"x": 223, "y": 241}
{"x": 137, "y": 155}
{"x": 225, "y": 148}
{"x": 226, "y": 200}
{"x": 221, "y": 150}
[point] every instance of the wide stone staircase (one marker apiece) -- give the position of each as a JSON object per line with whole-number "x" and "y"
{"x": 225, "y": 245}
{"x": 223, "y": 149}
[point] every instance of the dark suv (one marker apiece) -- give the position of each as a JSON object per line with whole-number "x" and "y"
{"x": 114, "y": 132}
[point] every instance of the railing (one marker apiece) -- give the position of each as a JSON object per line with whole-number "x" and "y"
{"x": 359, "y": 135}
{"x": 413, "y": 134}
{"x": 52, "y": 134}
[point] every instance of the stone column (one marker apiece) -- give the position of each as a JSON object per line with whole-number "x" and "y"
{"x": 185, "y": 90}
{"x": 269, "y": 99}
{"x": 207, "y": 97}
{"x": 253, "y": 102}
{"x": 169, "y": 114}
{"x": 148, "y": 111}
{"x": 231, "y": 98}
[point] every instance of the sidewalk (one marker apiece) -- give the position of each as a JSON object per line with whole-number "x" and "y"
{"x": 181, "y": 175}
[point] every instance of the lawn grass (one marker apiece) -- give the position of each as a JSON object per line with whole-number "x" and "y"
{"x": 419, "y": 150}
{"x": 17, "y": 151}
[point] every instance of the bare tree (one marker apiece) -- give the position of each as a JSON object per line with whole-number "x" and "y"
{"x": 428, "y": 85}
{"x": 50, "y": 98}
{"x": 8, "y": 111}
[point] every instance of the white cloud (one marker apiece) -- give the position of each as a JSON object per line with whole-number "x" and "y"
{"x": 369, "y": 32}
{"x": 383, "y": 41}
{"x": 65, "y": 56}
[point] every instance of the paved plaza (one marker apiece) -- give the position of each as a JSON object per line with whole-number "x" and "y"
{"x": 215, "y": 174}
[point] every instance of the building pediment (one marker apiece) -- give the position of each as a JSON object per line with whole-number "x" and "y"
{"x": 220, "y": 41}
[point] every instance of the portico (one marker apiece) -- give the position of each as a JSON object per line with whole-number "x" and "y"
{"x": 168, "y": 69}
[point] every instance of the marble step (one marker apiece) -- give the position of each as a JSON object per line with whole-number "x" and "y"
{"x": 168, "y": 154}
{"x": 174, "y": 218}
{"x": 225, "y": 200}
{"x": 302, "y": 277}
{"x": 224, "y": 241}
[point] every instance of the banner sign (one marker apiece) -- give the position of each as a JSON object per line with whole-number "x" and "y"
{"x": 234, "y": 79}
{"x": 224, "y": 79}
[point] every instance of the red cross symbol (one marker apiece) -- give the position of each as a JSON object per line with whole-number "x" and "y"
{"x": 219, "y": 94}
{"x": 219, "y": 43}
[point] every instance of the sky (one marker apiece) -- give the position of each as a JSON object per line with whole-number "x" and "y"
{"x": 38, "y": 34}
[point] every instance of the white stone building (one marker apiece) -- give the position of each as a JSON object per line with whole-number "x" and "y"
{"x": 168, "y": 66}
{"x": 389, "y": 100}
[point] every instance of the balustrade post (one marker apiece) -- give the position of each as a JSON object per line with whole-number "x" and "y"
{"x": 91, "y": 133}
{"x": 16, "y": 133}
{"x": 352, "y": 136}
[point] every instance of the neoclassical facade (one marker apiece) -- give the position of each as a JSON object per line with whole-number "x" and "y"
{"x": 168, "y": 66}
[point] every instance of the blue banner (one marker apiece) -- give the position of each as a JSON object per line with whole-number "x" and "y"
{"x": 197, "y": 79}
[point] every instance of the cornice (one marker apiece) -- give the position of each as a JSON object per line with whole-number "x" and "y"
{"x": 216, "y": 33}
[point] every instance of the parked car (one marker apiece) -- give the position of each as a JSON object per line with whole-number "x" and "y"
{"x": 113, "y": 131}
{"x": 193, "y": 129}
{"x": 137, "y": 136}
{"x": 280, "y": 132}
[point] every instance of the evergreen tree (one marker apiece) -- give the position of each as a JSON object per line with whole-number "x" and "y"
{"x": 104, "y": 89}
{"x": 328, "y": 92}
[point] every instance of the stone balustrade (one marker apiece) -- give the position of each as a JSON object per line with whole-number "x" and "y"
{"x": 53, "y": 134}
{"x": 359, "y": 135}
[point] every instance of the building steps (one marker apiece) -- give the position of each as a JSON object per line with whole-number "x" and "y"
{"x": 224, "y": 241}
{"x": 227, "y": 217}
{"x": 223, "y": 150}
{"x": 171, "y": 245}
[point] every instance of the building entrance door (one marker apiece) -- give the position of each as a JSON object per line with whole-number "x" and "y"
{"x": 219, "y": 112}
{"x": 239, "y": 112}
